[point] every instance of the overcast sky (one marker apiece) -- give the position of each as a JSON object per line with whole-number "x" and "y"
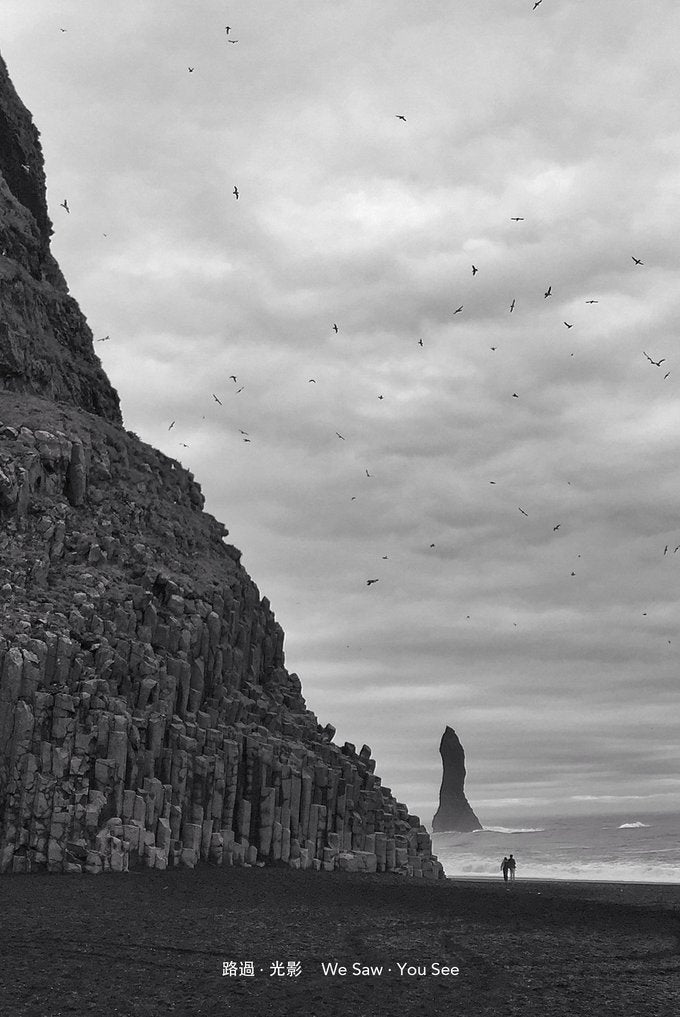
{"x": 553, "y": 652}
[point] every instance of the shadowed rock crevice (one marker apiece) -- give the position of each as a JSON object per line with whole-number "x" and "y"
{"x": 147, "y": 717}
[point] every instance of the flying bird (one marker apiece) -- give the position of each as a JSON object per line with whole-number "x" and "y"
{"x": 431, "y": 545}
{"x": 235, "y": 192}
{"x": 25, "y": 167}
{"x": 492, "y": 481}
{"x": 171, "y": 426}
{"x": 246, "y": 439}
{"x": 568, "y": 325}
{"x": 400, "y": 117}
{"x": 384, "y": 557}
{"x": 191, "y": 70}
{"x": 104, "y": 339}
{"x": 516, "y": 218}
{"x": 232, "y": 377}
{"x": 233, "y": 41}
{"x": 548, "y": 292}
{"x": 666, "y": 375}
{"x": 637, "y": 260}
{"x": 340, "y": 436}
{"x": 64, "y": 204}
{"x": 512, "y": 305}
{"x": 573, "y": 573}
{"x": 420, "y": 342}
{"x": 537, "y": 4}
{"x": 657, "y": 363}
{"x": 665, "y": 550}
{"x": 556, "y": 528}
{"x": 309, "y": 380}
{"x": 216, "y": 399}
{"x": 458, "y": 309}
{"x": 367, "y": 473}
{"x": 335, "y": 328}
{"x": 228, "y": 29}
{"x": 474, "y": 270}
{"x": 370, "y": 581}
{"x": 515, "y": 396}
{"x": 493, "y": 348}
{"x": 523, "y": 512}
{"x": 242, "y": 432}
{"x": 592, "y": 301}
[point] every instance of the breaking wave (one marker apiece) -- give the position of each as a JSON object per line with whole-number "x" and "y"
{"x": 633, "y": 826}
{"x": 510, "y": 829}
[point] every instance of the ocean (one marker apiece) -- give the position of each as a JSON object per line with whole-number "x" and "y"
{"x": 630, "y": 848}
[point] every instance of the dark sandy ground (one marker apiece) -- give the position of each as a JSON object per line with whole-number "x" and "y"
{"x": 154, "y": 943}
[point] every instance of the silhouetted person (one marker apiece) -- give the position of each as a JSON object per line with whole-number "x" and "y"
{"x": 505, "y": 868}
{"x": 511, "y": 868}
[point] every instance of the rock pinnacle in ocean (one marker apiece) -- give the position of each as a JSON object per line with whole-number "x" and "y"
{"x": 454, "y": 812}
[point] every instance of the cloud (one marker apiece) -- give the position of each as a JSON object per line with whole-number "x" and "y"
{"x": 558, "y": 685}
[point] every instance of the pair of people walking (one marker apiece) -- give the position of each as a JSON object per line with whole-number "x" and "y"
{"x": 508, "y": 868}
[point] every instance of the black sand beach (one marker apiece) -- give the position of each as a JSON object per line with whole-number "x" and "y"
{"x": 153, "y": 943}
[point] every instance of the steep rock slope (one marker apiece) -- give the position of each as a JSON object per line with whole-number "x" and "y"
{"x": 146, "y": 714}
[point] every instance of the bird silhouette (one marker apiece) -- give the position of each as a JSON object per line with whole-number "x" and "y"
{"x": 242, "y": 432}
{"x": 369, "y": 582}
{"x": 573, "y": 573}
{"x": 309, "y": 380}
{"x": 657, "y": 363}
{"x": 228, "y": 29}
{"x": 367, "y": 473}
{"x": 64, "y": 204}
{"x": 493, "y": 348}
{"x": 537, "y": 4}
{"x": 666, "y": 375}
{"x": 216, "y": 399}
{"x": 232, "y": 377}
{"x": 637, "y": 260}
{"x": 492, "y": 481}
{"x": 512, "y": 305}
{"x": 474, "y": 270}
{"x": 592, "y": 301}
{"x": 235, "y": 192}
{"x": 400, "y": 117}
{"x": 171, "y": 426}
{"x": 335, "y": 328}
{"x": 431, "y": 545}
{"x": 246, "y": 439}
{"x": 523, "y": 512}
{"x": 665, "y": 550}
{"x": 420, "y": 342}
{"x": 458, "y": 309}
{"x": 104, "y": 339}
{"x": 384, "y": 557}
{"x": 568, "y": 325}
{"x": 515, "y": 396}
{"x": 381, "y": 397}
{"x": 548, "y": 292}
{"x": 191, "y": 70}
{"x": 340, "y": 436}
{"x": 232, "y": 41}
{"x": 556, "y": 528}
{"x": 516, "y": 218}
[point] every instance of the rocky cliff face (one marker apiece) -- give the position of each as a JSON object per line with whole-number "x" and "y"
{"x": 146, "y": 714}
{"x": 454, "y": 812}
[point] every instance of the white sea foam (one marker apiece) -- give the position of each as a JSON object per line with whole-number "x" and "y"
{"x": 633, "y": 826}
{"x": 509, "y": 829}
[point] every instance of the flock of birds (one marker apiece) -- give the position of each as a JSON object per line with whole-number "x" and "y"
{"x": 547, "y": 294}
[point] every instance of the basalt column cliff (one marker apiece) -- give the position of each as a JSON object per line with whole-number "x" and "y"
{"x": 146, "y": 715}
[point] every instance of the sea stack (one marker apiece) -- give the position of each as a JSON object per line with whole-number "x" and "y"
{"x": 454, "y": 812}
{"x": 147, "y": 718}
